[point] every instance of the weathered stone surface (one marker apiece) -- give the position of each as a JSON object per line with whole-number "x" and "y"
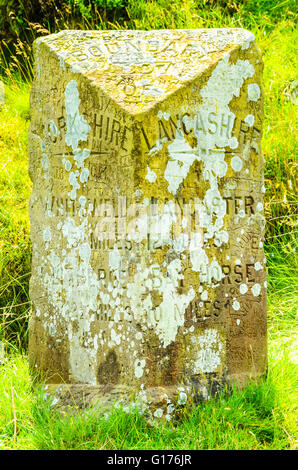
{"x": 154, "y": 402}
{"x": 147, "y": 210}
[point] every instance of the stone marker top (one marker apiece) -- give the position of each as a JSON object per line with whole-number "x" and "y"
{"x": 138, "y": 69}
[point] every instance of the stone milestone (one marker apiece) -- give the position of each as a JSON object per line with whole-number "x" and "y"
{"x": 147, "y": 225}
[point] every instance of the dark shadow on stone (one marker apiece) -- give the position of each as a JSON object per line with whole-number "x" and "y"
{"x": 109, "y": 370}
{"x": 213, "y": 385}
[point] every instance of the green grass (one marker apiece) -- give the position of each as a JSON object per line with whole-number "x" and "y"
{"x": 259, "y": 417}
{"x": 262, "y": 416}
{"x": 14, "y": 219}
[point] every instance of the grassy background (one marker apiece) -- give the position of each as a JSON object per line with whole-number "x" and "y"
{"x": 261, "y": 417}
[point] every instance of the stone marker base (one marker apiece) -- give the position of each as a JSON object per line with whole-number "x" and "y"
{"x": 153, "y": 402}
{"x": 156, "y": 401}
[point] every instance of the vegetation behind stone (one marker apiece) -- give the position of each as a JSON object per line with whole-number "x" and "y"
{"x": 263, "y": 416}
